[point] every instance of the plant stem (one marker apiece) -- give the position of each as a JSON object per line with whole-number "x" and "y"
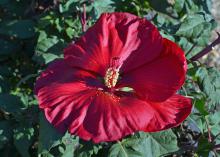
{"x": 217, "y": 147}
{"x": 207, "y": 49}
{"x": 83, "y": 18}
{"x": 209, "y": 130}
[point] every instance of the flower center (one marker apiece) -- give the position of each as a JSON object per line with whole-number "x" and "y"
{"x": 112, "y": 73}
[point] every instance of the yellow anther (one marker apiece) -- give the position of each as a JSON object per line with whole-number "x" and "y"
{"x": 111, "y": 77}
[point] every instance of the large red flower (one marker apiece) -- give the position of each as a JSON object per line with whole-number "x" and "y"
{"x": 85, "y": 94}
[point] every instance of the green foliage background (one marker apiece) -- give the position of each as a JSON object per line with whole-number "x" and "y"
{"x": 34, "y": 33}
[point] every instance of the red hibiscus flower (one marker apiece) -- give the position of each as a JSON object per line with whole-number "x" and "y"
{"x": 120, "y": 77}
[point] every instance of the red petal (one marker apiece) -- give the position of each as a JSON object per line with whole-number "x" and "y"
{"x": 66, "y": 104}
{"x": 169, "y": 113}
{"x": 161, "y": 78}
{"x": 99, "y": 116}
{"x": 54, "y": 73}
{"x": 61, "y": 91}
{"x": 120, "y": 35}
{"x": 109, "y": 118}
{"x": 58, "y": 72}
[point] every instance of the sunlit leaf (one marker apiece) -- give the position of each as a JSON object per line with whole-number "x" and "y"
{"x": 146, "y": 145}
{"x": 209, "y": 81}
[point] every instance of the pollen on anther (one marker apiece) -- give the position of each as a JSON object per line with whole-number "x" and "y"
{"x": 111, "y": 77}
{"x": 112, "y": 73}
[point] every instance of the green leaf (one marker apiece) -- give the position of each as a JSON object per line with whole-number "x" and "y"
{"x": 197, "y": 28}
{"x": 146, "y": 145}
{"x": 160, "y": 143}
{"x": 48, "y": 135}
{"x": 70, "y": 32}
{"x": 160, "y": 6}
{"x": 185, "y": 44}
{"x": 101, "y": 6}
{"x": 15, "y": 8}
{"x": 214, "y": 122}
{"x": 192, "y": 6}
{"x": 87, "y": 149}
{"x": 45, "y": 43}
{"x": 178, "y": 5}
{"x": 70, "y": 143}
{"x": 197, "y": 122}
{"x": 4, "y": 85}
{"x": 8, "y": 47}
{"x": 204, "y": 146}
{"x": 69, "y": 5}
{"x": 23, "y": 138}
{"x": 3, "y": 2}
{"x": 10, "y": 103}
{"x": 209, "y": 83}
{"x": 5, "y": 71}
{"x": 200, "y": 106}
{"x": 121, "y": 150}
{"x": 48, "y": 49}
{"x": 22, "y": 29}
{"x": 5, "y": 133}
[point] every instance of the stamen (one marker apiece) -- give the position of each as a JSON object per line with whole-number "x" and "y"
{"x": 112, "y": 73}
